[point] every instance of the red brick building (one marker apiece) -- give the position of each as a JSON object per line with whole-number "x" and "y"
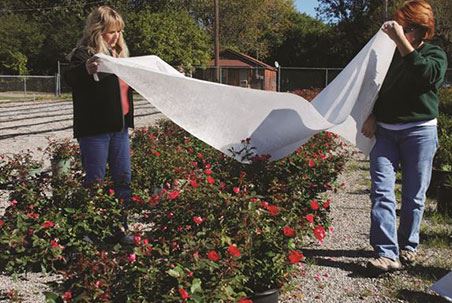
{"x": 241, "y": 70}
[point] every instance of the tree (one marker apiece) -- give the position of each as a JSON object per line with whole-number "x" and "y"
{"x": 307, "y": 43}
{"x": 20, "y": 39}
{"x": 443, "y": 15}
{"x": 354, "y": 23}
{"x": 173, "y": 36}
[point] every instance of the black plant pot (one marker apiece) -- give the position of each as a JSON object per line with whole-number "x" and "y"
{"x": 445, "y": 200}
{"x": 439, "y": 177}
{"x": 268, "y": 296}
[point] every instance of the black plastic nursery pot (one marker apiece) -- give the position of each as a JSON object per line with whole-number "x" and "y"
{"x": 268, "y": 296}
{"x": 445, "y": 200}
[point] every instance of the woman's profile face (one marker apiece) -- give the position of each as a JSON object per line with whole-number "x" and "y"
{"x": 414, "y": 34}
{"x": 111, "y": 36}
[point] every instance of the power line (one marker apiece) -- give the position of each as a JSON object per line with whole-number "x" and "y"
{"x": 43, "y": 8}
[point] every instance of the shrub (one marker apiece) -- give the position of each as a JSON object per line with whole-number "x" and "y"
{"x": 211, "y": 229}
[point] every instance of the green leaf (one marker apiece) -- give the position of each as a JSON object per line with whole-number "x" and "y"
{"x": 196, "y": 286}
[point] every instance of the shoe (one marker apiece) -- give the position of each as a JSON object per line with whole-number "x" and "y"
{"x": 384, "y": 264}
{"x": 408, "y": 257}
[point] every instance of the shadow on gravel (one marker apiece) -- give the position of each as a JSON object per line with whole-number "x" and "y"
{"x": 419, "y": 297}
{"x": 327, "y": 258}
{"x": 427, "y": 272}
{"x": 359, "y": 192}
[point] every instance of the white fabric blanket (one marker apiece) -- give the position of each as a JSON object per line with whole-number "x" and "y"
{"x": 277, "y": 123}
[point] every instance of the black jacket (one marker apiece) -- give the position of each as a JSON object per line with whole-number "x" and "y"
{"x": 97, "y": 105}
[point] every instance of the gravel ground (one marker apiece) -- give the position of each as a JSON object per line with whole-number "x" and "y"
{"x": 334, "y": 272}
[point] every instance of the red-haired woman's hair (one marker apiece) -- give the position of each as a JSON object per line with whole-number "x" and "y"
{"x": 417, "y": 13}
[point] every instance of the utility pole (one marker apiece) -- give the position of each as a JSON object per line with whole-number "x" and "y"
{"x": 386, "y": 10}
{"x": 217, "y": 41}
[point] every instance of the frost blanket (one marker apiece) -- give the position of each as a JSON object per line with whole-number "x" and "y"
{"x": 277, "y": 123}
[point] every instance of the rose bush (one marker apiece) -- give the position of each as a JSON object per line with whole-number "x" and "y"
{"x": 208, "y": 229}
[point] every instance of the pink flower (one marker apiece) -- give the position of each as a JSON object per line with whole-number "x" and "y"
{"x": 311, "y": 163}
{"x": 132, "y": 258}
{"x": 314, "y": 204}
{"x": 48, "y": 224}
{"x": 183, "y": 294}
{"x": 295, "y": 256}
{"x": 2, "y": 223}
{"x": 13, "y": 203}
{"x": 210, "y": 180}
{"x": 208, "y": 171}
{"x": 245, "y": 301}
{"x": 198, "y": 220}
{"x": 236, "y": 190}
{"x": 319, "y": 232}
{"x": 233, "y": 250}
{"x": 288, "y": 231}
{"x": 137, "y": 239}
{"x": 213, "y": 256}
{"x": 310, "y": 218}
{"x": 326, "y": 204}
{"x": 172, "y": 195}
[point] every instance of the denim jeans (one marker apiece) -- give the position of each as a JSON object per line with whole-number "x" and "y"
{"x": 413, "y": 149}
{"x": 114, "y": 149}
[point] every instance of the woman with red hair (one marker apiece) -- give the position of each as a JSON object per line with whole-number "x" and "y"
{"x": 404, "y": 124}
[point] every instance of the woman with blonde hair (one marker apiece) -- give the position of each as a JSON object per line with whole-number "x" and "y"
{"x": 103, "y": 107}
{"x": 404, "y": 124}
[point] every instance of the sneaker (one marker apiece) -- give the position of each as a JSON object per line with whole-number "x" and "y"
{"x": 384, "y": 264}
{"x": 408, "y": 257}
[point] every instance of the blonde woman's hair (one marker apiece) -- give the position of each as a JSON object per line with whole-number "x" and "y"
{"x": 99, "y": 21}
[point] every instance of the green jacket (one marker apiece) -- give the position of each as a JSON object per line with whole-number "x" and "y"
{"x": 409, "y": 91}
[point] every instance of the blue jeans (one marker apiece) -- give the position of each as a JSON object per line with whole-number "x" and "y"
{"x": 413, "y": 149}
{"x": 114, "y": 149}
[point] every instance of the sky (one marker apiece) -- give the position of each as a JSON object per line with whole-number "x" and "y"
{"x": 306, "y": 6}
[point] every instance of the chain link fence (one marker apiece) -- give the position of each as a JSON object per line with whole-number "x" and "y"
{"x": 286, "y": 79}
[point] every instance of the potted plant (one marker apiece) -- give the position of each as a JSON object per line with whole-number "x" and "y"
{"x": 61, "y": 153}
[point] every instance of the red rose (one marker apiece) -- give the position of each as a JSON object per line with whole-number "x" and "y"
{"x": 319, "y": 232}
{"x": 273, "y": 210}
{"x": 288, "y": 231}
{"x": 183, "y": 294}
{"x": 310, "y": 218}
{"x": 213, "y": 255}
{"x": 154, "y": 199}
{"x": 236, "y": 190}
{"x": 311, "y": 163}
{"x": 48, "y": 224}
{"x": 67, "y": 296}
{"x": 208, "y": 171}
{"x": 326, "y": 204}
{"x": 314, "y": 204}
{"x": 2, "y": 223}
{"x": 54, "y": 243}
{"x": 233, "y": 250}
{"x": 198, "y": 220}
{"x": 245, "y": 301}
{"x": 210, "y": 180}
{"x": 194, "y": 183}
{"x": 172, "y": 195}
{"x": 295, "y": 256}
